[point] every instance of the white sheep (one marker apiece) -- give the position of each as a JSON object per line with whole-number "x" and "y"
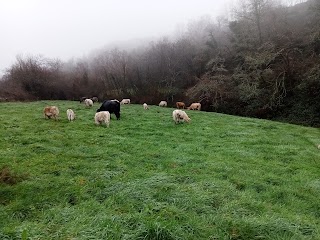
{"x": 88, "y": 102}
{"x": 70, "y": 114}
{"x": 103, "y": 116}
{"x": 145, "y": 106}
{"x": 125, "y": 101}
{"x": 180, "y": 116}
{"x": 163, "y": 104}
{"x": 51, "y": 112}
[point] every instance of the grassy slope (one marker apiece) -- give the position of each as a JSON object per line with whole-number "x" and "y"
{"x": 220, "y": 177}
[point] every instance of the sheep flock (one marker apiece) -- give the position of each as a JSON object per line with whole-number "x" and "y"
{"x": 102, "y": 115}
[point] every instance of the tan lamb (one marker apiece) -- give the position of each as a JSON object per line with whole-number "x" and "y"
{"x": 195, "y": 106}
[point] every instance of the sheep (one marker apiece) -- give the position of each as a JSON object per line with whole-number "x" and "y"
{"x": 70, "y": 114}
{"x": 82, "y": 99}
{"x": 195, "y": 106}
{"x": 51, "y": 112}
{"x": 112, "y": 106}
{"x": 145, "y": 106}
{"x": 125, "y": 101}
{"x": 180, "y": 116}
{"x": 88, "y": 102}
{"x": 95, "y": 99}
{"x": 103, "y": 116}
{"x": 163, "y": 104}
{"x": 180, "y": 105}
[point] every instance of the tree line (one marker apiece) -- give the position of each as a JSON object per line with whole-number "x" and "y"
{"x": 264, "y": 63}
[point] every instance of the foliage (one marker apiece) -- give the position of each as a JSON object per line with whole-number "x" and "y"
{"x": 35, "y": 76}
{"x": 213, "y": 88}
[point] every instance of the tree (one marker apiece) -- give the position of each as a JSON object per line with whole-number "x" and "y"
{"x": 252, "y": 14}
{"x": 37, "y": 77}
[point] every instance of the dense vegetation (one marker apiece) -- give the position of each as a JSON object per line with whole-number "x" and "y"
{"x": 219, "y": 177}
{"x": 264, "y": 63}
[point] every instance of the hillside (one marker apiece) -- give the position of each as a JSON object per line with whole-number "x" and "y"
{"x": 263, "y": 63}
{"x": 219, "y": 177}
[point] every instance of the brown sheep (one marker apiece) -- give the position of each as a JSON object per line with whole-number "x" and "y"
{"x": 51, "y": 112}
{"x": 180, "y": 105}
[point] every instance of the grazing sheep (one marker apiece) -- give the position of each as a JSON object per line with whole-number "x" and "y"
{"x": 180, "y": 116}
{"x": 145, "y": 106}
{"x": 163, "y": 104}
{"x": 125, "y": 101}
{"x": 112, "y": 106}
{"x": 95, "y": 99}
{"x": 70, "y": 114}
{"x": 88, "y": 102}
{"x": 51, "y": 112}
{"x": 103, "y": 116}
{"x": 195, "y": 106}
{"x": 82, "y": 99}
{"x": 180, "y": 105}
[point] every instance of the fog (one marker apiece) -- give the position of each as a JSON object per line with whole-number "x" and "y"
{"x": 72, "y": 28}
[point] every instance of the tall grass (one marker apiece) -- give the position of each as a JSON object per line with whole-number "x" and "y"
{"x": 144, "y": 177}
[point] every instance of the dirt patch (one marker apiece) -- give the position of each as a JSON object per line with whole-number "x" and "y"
{"x": 9, "y": 177}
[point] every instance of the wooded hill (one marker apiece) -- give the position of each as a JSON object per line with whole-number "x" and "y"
{"x": 264, "y": 63}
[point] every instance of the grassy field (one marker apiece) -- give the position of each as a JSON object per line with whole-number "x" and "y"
{"x": 219, "y": 177}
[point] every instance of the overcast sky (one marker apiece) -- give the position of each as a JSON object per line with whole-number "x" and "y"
{"x": 73, "y": 28}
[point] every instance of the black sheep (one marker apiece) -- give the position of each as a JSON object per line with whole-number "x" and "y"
{"x": 112, "y": 106}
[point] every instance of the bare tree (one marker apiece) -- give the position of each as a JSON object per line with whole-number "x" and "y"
{"x": 254, "y": 11}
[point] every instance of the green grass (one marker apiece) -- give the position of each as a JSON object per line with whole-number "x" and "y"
{"x": 219, "y": 177}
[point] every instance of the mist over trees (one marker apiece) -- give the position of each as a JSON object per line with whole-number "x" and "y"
{"x": 264, "y": 63}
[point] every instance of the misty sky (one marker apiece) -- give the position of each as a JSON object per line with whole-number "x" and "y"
{"x": 72, "y": 28}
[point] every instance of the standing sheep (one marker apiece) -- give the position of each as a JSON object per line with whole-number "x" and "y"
{"x": 112, "y": 106}
{"x": 195, "y": 106}
{"x": 103, "y": 116}
{"x": 180, "y": 105}
{"x": 125, "y": 101}
{"x": 180, "y": 116}
{"x": 163, "y": 104}
{"x": 70, "y": 114}
{"x": 51, "y": 112}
